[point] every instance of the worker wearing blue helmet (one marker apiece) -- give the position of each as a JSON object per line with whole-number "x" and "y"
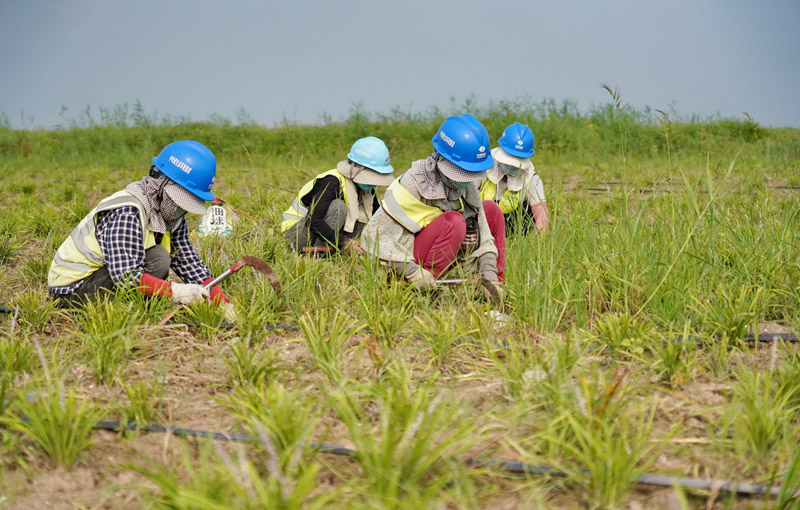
{"x": 432, "y": 217}
{"x": 513, "y": 183}
{"x": 135, "y": 236}
{"x": 331, "y": 210}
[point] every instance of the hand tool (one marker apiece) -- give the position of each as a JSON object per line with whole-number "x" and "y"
{"x": 254, "y": 262}
{"x": 248, "y": 260}
{"x": 486, "y": 284}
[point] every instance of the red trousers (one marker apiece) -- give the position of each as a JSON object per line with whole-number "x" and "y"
{"x": 436, "y": 246}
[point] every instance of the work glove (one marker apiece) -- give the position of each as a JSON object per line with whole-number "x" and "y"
{"x": 228, "y": 312}
{"x": 487, "y": 267}
{"x": 352, "y": 246}
{"x": 188, "y": 293}
{"x": 470, "y": 241}
{"x": 217, "y": 296}
{"x": 539, "y": 212}
{"x": 493, "y": 290}
{"x": 422, "y": 279}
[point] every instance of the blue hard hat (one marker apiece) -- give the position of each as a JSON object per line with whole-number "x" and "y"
{"x": 372, "y": 153}
{"x": 464, "y": 141}
{"x": 517, "y": 140}
{"x": 191, "y": 165}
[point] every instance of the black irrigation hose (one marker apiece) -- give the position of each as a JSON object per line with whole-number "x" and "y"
{"x": 608, "y": 185}
{"x": 502, "y": 465}
{"x": 230, "y": 325}
{"x": 750, "y": 338}
{"x": 220, "y": 436}
{"x": 772, "y": 337}
{"x": 762, "y": 337}
{"x": 500, "y": 344}
{"x": 643, "y": 479}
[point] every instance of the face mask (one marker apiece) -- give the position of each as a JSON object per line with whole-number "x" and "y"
{"x": 178, "y": 214}
{"x": 366, "y": 187}
{"x": 462, "y": 185}
{"x": 508, "y": 169}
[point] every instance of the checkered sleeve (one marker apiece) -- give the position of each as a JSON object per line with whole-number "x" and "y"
{"x": 186, "y": 263}
{"x": 119, "y": 234}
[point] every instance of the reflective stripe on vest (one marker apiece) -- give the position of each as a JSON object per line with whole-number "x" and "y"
{"x": 407, "y": 209}
{"x": 297, "y": 211}
{"x": 508, "y": 202}
{"x": 80, "y": 254}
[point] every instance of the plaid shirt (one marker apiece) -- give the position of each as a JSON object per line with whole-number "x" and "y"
{"x": 119, "y": 234}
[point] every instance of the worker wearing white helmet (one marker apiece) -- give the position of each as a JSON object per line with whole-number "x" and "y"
{"x": 513, "y": 184}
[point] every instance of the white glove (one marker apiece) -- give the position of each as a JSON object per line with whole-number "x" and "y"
{"x": 188, "y": 293}
{"x": 228, "y": 312}
{"x": 422, "y": 279}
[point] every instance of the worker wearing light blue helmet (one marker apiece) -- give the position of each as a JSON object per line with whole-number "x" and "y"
{"x": 432, "y": 217}
{"x": 513, "y": 183}
{"x": 331, "y": 210}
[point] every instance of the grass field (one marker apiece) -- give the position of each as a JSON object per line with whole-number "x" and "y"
{"x": 669, "y": 242}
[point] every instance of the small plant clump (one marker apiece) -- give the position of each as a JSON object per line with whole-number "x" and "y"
{"x": 58, "y": 422}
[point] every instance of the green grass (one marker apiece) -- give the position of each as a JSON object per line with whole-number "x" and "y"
{"x": 215, "y": 481}
{"x": 250, "y": 366}
{"x": 408, "y": 450}
{"x": 59, "y": 422}
{"x": 689, "y": 236}
{"x": 325, "y": 334}
{"x": 762, "y": 410}
{"x": 35, "y": 311}
{"x": 106, "y": 333}
{"x": 143, "y": 402}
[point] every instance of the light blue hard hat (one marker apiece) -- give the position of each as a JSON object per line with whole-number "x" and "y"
{"x": 517, "y": 140}
{"x": 372, "y": 153}
{"x": 464, "y": 141}
{"x": 191, "y": 165}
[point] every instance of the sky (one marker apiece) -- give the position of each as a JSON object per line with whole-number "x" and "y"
{"x": 303, "y": 61}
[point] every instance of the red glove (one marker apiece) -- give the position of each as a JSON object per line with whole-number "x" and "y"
{"x": 217, "y": 296}
{"x": 153, "y": 286}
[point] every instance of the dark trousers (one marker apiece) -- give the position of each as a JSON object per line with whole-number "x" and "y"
{"x": 300, "y": 235}
{"x": 100, "y": 284}
{"x": 520, "y": 222}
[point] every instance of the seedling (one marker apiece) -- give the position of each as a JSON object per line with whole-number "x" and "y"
{"x": 251, "y": 365}
{"x": 409, "y": 454}
{"x": 325, "y": 334}
{"x": 59, "y": 422}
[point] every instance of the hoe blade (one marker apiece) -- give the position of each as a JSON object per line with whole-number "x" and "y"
{"x": 265, "y": 269}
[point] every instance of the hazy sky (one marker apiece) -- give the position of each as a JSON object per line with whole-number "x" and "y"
{"x": 301, "y": 59}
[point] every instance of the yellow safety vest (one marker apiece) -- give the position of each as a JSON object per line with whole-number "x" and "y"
{"x": 297, "y": 211}
{"x": 407, "y": 209}
{"x": 80, "y": 255}
{"x": 508, "y": 202}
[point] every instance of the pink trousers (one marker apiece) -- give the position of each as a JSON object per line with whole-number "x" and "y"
{"x": 436, "y": 246}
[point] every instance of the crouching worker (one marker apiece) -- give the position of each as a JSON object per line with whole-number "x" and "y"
{"x": 432, "y": 217}
{"x": 331, "y": 210}
{"x": 513, "y": 184}
{"x": 135, "y": 236}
